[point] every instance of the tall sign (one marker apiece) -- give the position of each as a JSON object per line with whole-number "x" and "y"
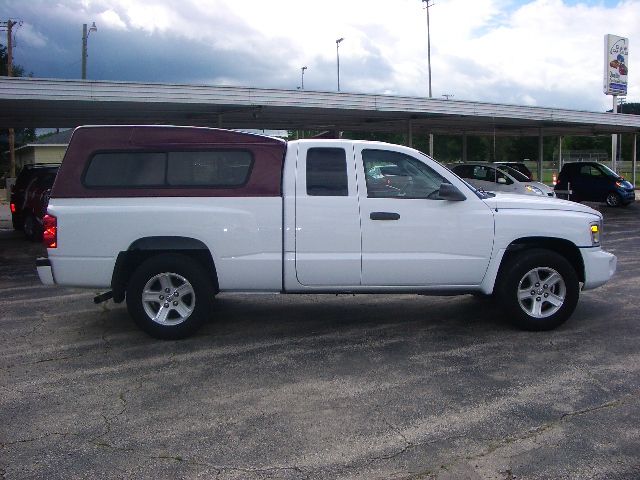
{"x": 616, "y": 70}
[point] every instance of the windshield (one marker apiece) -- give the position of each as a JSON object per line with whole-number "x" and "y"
{"x": 519, "y": 176}
{"x": 609, "y": 172}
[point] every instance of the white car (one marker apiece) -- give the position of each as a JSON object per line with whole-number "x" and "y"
{"x": 500, "y": 178}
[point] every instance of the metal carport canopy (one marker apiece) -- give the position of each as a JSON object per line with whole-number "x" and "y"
{"x": 40, "y": 103}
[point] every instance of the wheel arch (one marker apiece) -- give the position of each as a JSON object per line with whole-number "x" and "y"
{"x": 563, "y": 247}
{"x": 147, "y": 247}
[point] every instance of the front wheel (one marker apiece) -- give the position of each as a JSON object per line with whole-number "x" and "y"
{"x": 169, "y": 296}
{"x": 613, "y": 199}
{"x": 540, "y": 289}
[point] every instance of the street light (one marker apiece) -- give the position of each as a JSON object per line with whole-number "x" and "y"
{"x": 303, "y": 69}
{"x": 427, "y": 5}
{"x": 85, "y": 36}
{"x": 338, "y": 41}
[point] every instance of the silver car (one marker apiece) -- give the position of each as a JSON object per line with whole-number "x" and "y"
{"x": 500, "y": 178}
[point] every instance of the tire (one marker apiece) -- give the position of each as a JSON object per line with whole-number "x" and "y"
{"x": 31, "y": 228}
{"x": 613, "y": 199}
{"x": 17, "y": 223}
{"x": 184, "y": 295}
{"x": 527, "y": 284}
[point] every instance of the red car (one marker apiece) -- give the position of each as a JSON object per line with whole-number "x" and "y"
{"x": 30, "y": 197}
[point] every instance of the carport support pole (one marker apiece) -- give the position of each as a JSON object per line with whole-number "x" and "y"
{"x": 540, "y": 154}
{"x": 464, "y": 147}
{"x": 559, "y": 153}
{"x": 431, "y": 145}
{"x": 409, "y": 133}
{"x": 614, "y": 137}
{"x": 634, "y": 159}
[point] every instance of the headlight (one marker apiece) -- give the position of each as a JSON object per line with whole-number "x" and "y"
{"x": 595, "y": 227}
{"x": 534, "y": 190}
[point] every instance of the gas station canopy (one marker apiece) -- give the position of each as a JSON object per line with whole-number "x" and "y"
{"x": 41, "y": 103}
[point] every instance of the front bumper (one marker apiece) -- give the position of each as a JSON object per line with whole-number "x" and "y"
{"x": 45, "y": 272}
{"x": 599, "y": 267}
{"x": 628, "y": 196}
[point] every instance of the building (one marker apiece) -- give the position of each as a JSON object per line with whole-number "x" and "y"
{"x": 49, "y": 149}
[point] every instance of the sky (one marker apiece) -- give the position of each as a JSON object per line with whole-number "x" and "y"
{"x": 540, "y": 53}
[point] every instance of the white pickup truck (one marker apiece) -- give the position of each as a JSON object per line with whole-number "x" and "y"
{"x": 166, "y": 217}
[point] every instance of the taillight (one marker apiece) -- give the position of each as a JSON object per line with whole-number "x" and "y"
{"x": 12, "y": 206}
{"x": 50, "y": 231}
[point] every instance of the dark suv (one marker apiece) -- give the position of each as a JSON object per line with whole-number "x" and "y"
{"x": 592, "y": 181}
{"x": 30, "y": 196}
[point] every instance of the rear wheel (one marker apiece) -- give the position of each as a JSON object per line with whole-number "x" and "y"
{"x": 540, "y": 289}
{"x": 613, "y": 199}
{"x": 169, "y": 296}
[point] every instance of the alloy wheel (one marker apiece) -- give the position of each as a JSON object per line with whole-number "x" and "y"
{"x": 168, "y": 298}
{"x": 541, "y": 292}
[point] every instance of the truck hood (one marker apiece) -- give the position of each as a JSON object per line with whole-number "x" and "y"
{"x": 536, "y": 202}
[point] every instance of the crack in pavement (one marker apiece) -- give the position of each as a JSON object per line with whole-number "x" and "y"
{"x": 107, "y": 425}
{"x": 43, "y": 360}
{"x": 35, "y": 439}
{"x": 267, "y": 470}
{"x": 535, "y": 432}
{"x": 611, "y": 404}
{"x": 530, "y": 434}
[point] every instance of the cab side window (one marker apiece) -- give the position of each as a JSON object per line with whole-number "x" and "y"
{"x": 590, "y": 171}
{"x": 327, "y": 172}
{"x": 488, "y": 174}
{"x": 481, "y": 173}
{"x": 464, "y": 171}
{"x": 397, "y": 175}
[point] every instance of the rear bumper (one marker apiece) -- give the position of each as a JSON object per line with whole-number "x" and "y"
{"x": 599, "y": 267}
{"x": 45, "y": 272}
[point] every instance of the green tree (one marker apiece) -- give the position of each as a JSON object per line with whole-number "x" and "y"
{"x": 18, "y": 71}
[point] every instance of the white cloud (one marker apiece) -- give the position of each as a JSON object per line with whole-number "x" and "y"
{"x": 111, "y": 19}
{"x": 31, "y": 36}
{"x": 538, "y": 52}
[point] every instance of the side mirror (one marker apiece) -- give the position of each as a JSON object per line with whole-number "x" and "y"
{"x": 502, "y": 180}
{"x": 450, "y": 192}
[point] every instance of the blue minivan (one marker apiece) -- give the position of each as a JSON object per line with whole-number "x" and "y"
{"x": 594, "y": 182}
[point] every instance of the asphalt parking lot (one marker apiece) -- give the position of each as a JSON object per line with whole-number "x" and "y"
{"x": 297, "y": 387}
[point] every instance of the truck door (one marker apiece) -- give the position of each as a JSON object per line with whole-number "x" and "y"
{"x": 327, "y": 217}
{"x": 409, "y": 236}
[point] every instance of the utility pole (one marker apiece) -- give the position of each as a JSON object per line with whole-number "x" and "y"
{"x": 302, "y": 85}
{"x": 12, "y": 136}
